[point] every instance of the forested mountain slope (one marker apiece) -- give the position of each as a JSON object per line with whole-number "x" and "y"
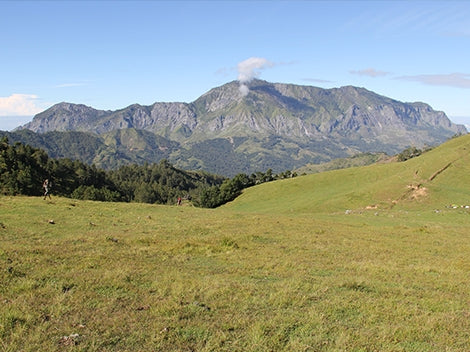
{"x": 275, "y": 126}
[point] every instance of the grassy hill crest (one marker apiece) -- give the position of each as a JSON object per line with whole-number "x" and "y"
{"x": 437, "y": 178}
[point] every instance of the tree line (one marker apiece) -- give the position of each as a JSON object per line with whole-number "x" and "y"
{"x": 24, "y": 168}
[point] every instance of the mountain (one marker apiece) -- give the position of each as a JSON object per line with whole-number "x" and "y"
{"x": 277, "y": 126}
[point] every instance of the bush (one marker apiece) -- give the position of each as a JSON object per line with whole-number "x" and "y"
{"x": 93, "y": 193}
{"x": 409, "y": 153}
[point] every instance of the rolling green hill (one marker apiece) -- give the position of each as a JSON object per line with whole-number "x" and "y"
{"x": 437, "y": 178}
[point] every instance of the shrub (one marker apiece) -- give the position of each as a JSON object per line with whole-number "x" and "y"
{"x": 409, "y": 153}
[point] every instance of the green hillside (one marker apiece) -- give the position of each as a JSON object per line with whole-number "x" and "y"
{"x": 348, "y": 260}
{"x": 437, "y": 178}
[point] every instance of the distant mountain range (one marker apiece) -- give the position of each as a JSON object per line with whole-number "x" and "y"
{"x": 275, "y": 126}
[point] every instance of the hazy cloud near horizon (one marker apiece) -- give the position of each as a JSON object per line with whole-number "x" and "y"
{"x": 456, "y": 80}
{"x": 68, "y": 85}
{"x": 371, "y": 72}
{"x": 20, "y": 105}
{"x": 8, "y": 123}
{"x": 317, "y": 80}
{"x": 461, "y": 120}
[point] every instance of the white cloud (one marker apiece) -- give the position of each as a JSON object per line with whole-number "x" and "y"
{"x": 20, "y": 105}
{"x": 68, "y": 85}
{"x": 456, "y": 80}
{"x": 250, "y": 69}
{"x": 317, "y": 80}
{"x": 371, "y": 72}
{"x": 244, "y": 89}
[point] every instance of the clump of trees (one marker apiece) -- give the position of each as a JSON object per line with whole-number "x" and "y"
{"x": 409, "y": 153}
{"x": 212, "y": 197}
{"x": 24, "y": 168}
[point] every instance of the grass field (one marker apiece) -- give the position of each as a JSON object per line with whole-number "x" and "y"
{"x": 361, "y": 259}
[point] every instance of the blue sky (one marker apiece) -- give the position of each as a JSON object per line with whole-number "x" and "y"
{"x": 110, "y": 54}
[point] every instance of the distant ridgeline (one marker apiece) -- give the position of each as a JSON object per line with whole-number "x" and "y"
{"x": 275, "y": 126}
{"x": 24, "y": 168}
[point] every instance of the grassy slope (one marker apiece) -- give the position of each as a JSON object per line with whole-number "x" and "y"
{"x": 282, "y": 268}
{"x": 343, "y": 163}
{"x": 406, "y": 184}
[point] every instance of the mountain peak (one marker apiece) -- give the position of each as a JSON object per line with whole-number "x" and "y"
{"x": 313, "y": 123}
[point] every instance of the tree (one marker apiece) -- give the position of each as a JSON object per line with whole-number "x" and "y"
{"x": 409, "y": 153}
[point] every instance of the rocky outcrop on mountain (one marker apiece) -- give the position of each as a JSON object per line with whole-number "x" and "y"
{"x": 288, "y": 124}
{"x": 65, "y": 117}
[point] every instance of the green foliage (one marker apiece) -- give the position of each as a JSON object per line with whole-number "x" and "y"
{"x": 23, "y": 169}
{"x": 208, "y": 197}
{"x": 212, "y": 197}
{"x": 160, "y": 183}
{"x": 408, "y": 153}
{"x": 215, "y": 196}
{"x": 92, "y": 193}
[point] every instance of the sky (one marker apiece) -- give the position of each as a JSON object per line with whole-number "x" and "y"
{"x": 111, "y": 54}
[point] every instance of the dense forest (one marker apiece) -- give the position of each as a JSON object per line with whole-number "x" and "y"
{"x": 24, "y": 168}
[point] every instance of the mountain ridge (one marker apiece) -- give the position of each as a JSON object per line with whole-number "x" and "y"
{"x": 280, "y": 126}
{"x": 215, "y": 107}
